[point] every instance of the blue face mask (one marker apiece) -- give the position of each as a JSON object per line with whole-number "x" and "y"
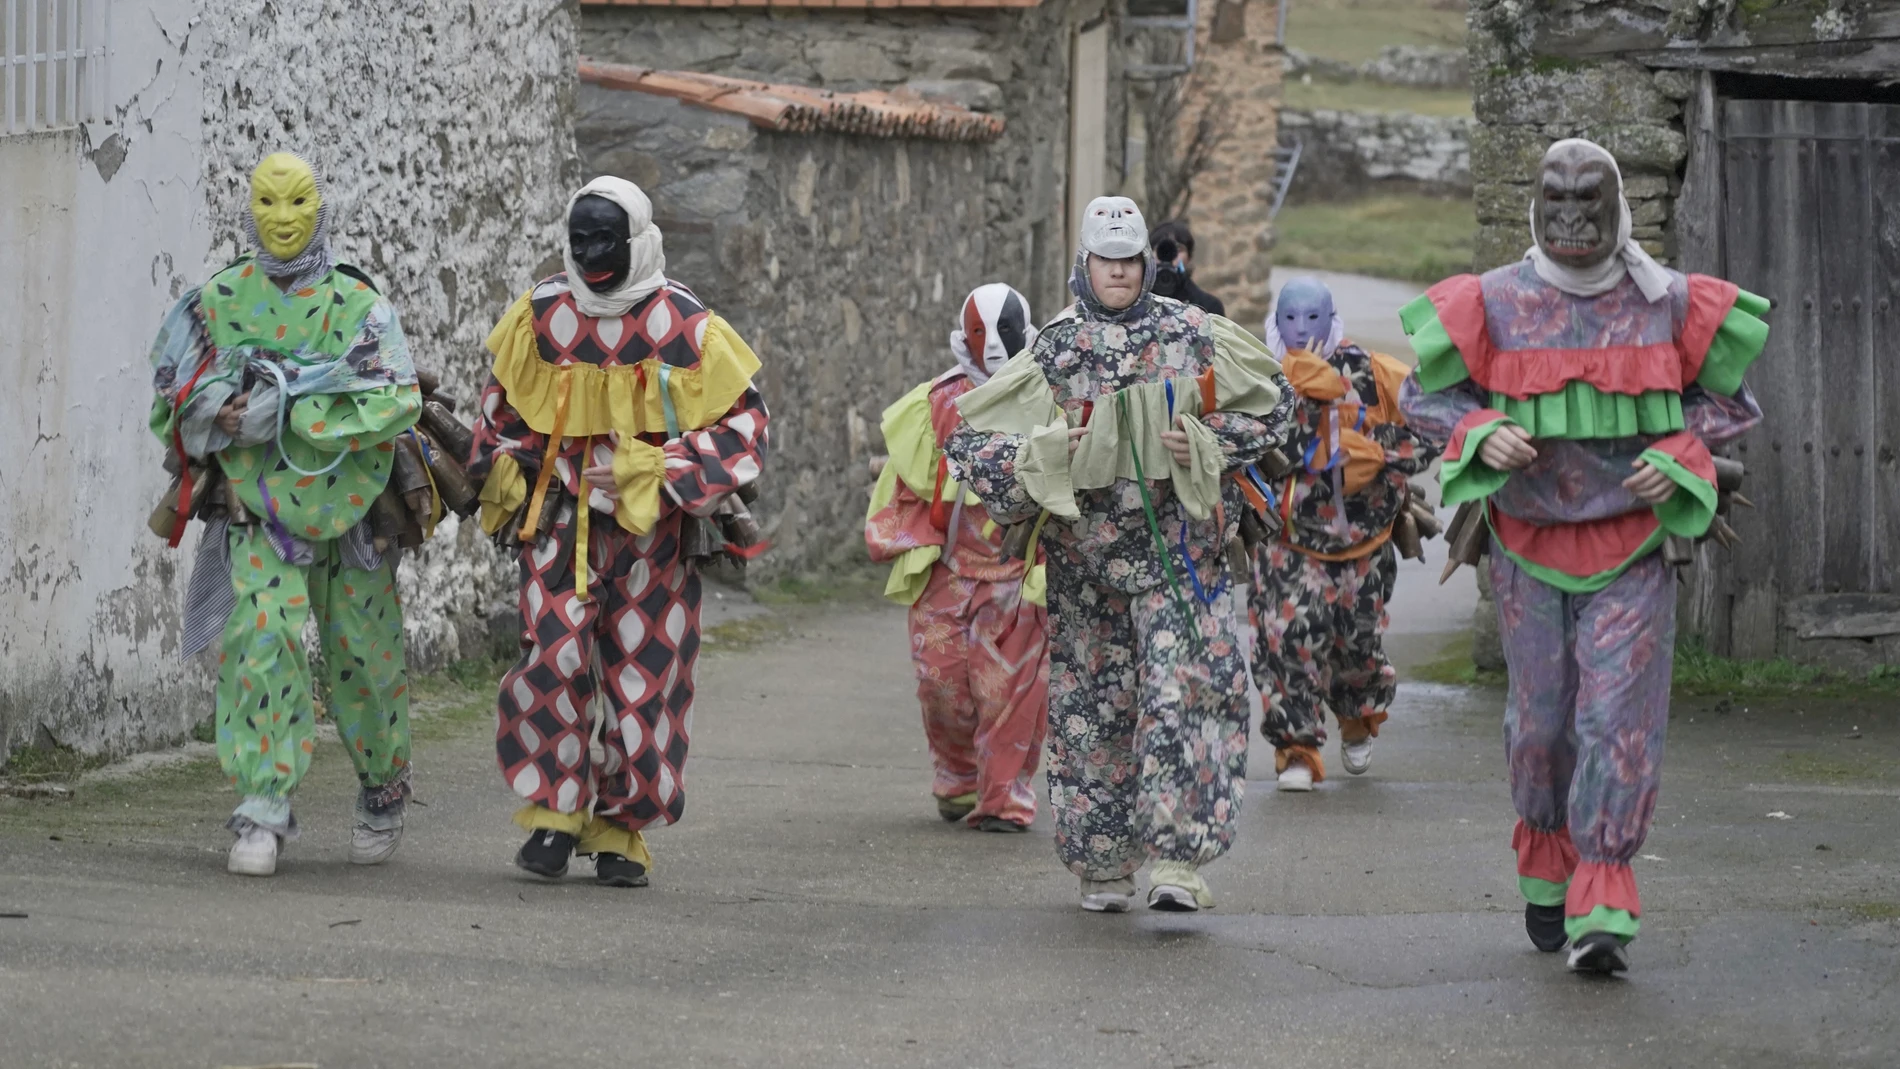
{"x": 1304, "y": 314}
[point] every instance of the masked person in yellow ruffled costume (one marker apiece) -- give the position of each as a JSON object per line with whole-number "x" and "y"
{"x": 978, "y": 629}
{"x": 1123, "y": 423}
{"x": 291, "y": 371}
{"x": 618, "y": 405}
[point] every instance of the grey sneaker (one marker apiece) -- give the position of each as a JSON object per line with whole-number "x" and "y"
{"x": 254, "y": 853}
{"x": 1108, "y": 896}
{"x": 371, "y": 846}
{"x": 1178, "y": 888}
{"x": 1356, "y": 756}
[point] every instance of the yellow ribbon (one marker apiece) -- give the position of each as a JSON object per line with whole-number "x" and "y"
{"x": 563, "y": 391}
{"x": 580, "y": 524}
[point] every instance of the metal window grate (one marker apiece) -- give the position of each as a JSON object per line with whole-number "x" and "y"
{"x": 52, "y": 63}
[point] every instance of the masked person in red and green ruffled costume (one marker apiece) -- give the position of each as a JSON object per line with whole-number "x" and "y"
{"x": 978, "y": 627}
{"x": 292, "y": 371}
{"x": 1579, "y": 392}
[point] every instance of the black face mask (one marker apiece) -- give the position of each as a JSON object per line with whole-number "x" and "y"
{"x": 598, "y": 234}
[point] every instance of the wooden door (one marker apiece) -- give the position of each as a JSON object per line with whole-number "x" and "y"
{"x": 1811, "y": 220}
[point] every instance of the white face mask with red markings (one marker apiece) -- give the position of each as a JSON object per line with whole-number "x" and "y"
{"x": 994, "y": 326}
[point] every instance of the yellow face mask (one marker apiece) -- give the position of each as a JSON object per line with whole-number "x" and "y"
{"x": 284, "y": 204}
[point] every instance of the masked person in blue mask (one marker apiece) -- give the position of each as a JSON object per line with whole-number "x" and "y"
{"x": 1320, "y": 589}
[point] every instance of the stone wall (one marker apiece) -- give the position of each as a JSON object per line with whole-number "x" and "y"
{"x": 1409, "y": 66}
{"x": 1348, "y": 154}
{"x": 841, "y": 259}
{"x": 444, "y": 128}
{"x": 1233, "y": 94}
{"x": 1010, "y": 62}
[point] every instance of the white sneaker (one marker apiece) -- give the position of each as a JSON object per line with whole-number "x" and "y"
{"x": 254, "y": 853}
{"x": 1178, "y": 888}
{"x": 1297, "y": 777}
{"x": 1108, "y": 896}
{"x": 1356, "y": 756}
{"x": 368, "y": 846}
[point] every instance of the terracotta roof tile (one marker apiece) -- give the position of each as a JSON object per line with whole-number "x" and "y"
{"x": 918, "y": 4}
{"x": 802, "y": 109}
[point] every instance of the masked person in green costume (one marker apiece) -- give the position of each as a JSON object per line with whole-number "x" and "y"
{"x": 290, "y": 371}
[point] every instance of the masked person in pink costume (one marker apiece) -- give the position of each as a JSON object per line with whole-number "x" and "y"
{"x": 1578, "y": 392}
{"x": 978, "y": 629}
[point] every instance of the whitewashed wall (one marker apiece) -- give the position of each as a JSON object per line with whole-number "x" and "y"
{"x": 445, "y": 131}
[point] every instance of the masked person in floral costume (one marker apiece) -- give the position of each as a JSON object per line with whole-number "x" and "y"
{"x": 618, "y": 410}
{"x": 1579, "y": 391}
{"x": 978, "y": 629}
{"x": 1117, "y": 430}
{"x": 291, "y": 371}
{"x": 1320, "y": 590}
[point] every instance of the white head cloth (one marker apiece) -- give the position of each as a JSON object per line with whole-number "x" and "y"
{"x": 648, "y": 271}
{"x": 1629, "y": 258}
{"x": 1112, "y": 228}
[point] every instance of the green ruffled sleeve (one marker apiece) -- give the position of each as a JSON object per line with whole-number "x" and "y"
{"x": 1691, "y": 509}
{"x": 1467, "y": 478}
{"x": 1440, "y": 364}
{"x": 1738, "y": 341}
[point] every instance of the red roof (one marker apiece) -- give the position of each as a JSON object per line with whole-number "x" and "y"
{"x": 802, "y": 109}
{"x": 845, "y": 4}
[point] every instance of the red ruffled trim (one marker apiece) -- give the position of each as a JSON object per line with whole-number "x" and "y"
{"x": 1710, "y": 300}
{"x": 1544, "y": 855}
{"x": 1625, "y": 369}
{"x": 1456, "y": 450}
{"x": 1597, "y": 883}
{"x": 1691, "y": 453}
{"x": 1460, "y": 303}
{"x": 1577, "y": 549}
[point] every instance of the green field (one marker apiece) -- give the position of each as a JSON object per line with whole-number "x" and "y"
{"x": 1355, "y": 30}
{"x": 1372, "y": 96}
{"x": 1399, "y": 236}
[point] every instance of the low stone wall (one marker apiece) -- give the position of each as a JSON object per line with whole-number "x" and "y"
{"x": 1346, "y": 154}
{"x": 1408, "y": 66}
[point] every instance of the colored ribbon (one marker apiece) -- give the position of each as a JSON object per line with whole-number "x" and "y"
{"x": 563, "y": 389}
{"x": 1154, "y": 529}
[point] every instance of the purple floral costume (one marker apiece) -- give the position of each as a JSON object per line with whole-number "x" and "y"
{"x": 1586, "y": 605}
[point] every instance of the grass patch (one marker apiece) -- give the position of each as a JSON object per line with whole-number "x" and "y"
{"x": 1355, "y": 30}
{"x": 1409, "y": 237}
{"x": 858, "y": 582}
{"x": 1700, "y": 674}
{"x": 1454, "y": 667}
{"x": 1375, "y": 96}
{"x": 1876, "y": 911}
{"x": 1834, "y": 770}
{"x": 58, "y": 764}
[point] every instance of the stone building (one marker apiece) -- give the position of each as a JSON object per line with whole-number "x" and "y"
{"x": 1759, "y": 142}
{"x": 835, "y": 178}
{"x": 444, "y": 130}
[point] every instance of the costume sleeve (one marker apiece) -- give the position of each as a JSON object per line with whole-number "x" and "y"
{"x": 704, "y": 466}
{"x": 1244, "y": 439}
{"x": 986, "y": 463}
{"x": 500, "y": 431}
{"x": 350, "y": 422}
{"x": 1457, "y": 420}
{"x": 1406, "y": 450}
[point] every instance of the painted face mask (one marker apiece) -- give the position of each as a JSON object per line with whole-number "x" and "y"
{"x": 995, "y": 327}
{"x": 1579, "y": 198}
{"x": 598, "y": 232}
{"x": 1304, "y": 316}
{"x": 285, "y": 205}
{"x": 1112, "y": 228}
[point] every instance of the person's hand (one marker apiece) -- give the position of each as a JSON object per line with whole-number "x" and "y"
{"x": 1177, "y": 443}
{"x": 1649, "y": 484}
{"x": 231, "y": 416}
{"x": 1507, "y": 449}
{"x": 601, "y": 477}
{"x": 1075, "y": 438}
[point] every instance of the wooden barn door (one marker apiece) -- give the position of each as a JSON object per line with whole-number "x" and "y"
{"x": 1811, "y": 220}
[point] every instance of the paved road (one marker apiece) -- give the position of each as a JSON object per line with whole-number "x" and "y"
{"x": 812, "y": 911}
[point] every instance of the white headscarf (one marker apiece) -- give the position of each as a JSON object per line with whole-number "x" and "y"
{"x": 1629, "y": 258}
{"x": 647, "y": 272}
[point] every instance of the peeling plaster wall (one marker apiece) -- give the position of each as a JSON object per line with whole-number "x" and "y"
{"x": 444, "y": 130}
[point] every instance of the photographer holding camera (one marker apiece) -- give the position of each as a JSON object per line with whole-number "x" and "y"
{"x": 1174, "y": 255}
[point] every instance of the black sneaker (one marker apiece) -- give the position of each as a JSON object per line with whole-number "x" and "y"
{"x": 612, "y": 870}
{"x": 998, "y": 824}
{"x": 1599, "y": 952}
{"x": 1546, "y": 926}
{"x": 546, "y": 853}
